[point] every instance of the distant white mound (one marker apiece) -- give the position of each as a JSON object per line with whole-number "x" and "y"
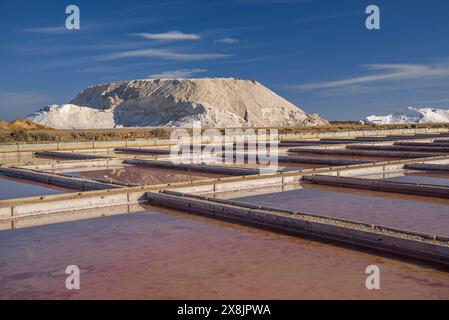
{"x": 70, "y": 116}
{"x": 412, "y": 115}
{"x": 215, "y": 102}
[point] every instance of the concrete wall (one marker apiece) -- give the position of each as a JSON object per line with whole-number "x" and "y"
{"x": 36, "y": 206}
{"x": 380, "y": 185}
{"x": 378, "y": 167}
{"x": 57, "y": 180}
{"x": 72, "y": 164}
{"x": 361, "y": 133}
{"x": 352, "y": 152}
{"x": 293, "y": 177}
{"x": 66, "y": 216}
{"x": 428, "y": 167}
{"x": 68, "y": 155}
{"x": 16, "y": 147}
{"x": 225, "y": 170}
{"x": 360, "y": 235}
{"x": 242, "y": 183}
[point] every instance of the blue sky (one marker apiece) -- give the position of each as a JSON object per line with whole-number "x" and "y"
{"x": 316, "y": 53}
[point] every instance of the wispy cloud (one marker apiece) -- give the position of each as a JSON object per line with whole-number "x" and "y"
{"x": 162, "y": 54}
{"x": 99, "y": 69}
{"x": 47, "y": 30}
{"x": 227, "y": 40}
{"x": 384, "y": 73}
{"x": 171, "y": 35}
{"x": 183, "y": 73}
{"x": 61, "y": 29}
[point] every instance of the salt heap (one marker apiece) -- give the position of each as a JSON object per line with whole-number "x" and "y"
{"x": 215, "y": 102}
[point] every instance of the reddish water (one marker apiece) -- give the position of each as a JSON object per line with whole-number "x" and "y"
{"x": 172, "y": 255}
{"x": 407, "y": 212}
{"x": 301, "y": 165}
{"x": 283, "y": 166}
{"x": 145, "y": 175}
{"x": 11, "y": 188}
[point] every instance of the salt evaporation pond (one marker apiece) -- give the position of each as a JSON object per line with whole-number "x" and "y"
{"x": 283, "y": 165}
{"x": 434, "y": 174}
{"x": 14, "y": 188}
{"x": 162, "y": 254}
{"x": 408, "y": 212}
{"x": 300, "y": 165}
{"x": 423, "y": 178}
{"x": 22, "y": 160}
{"x": 343, "y": 157}
{"x": 143, "y": 175}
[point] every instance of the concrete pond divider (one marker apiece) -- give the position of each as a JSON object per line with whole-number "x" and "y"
{"x": 31, "y": 207}
{"x": 58, "y": 203}
{"x": 217, "y": 169}
{"x": 57, "y": 179}
{"x": 68, "y": 145}
{"x": 159, "y": 151}
{"x": 324, "y": 161}
{"x": 33, "y": 220}
{"x": 429, "y": 148}
{"x": 428, "y": 167}
{"x": 294, "y": 177}
{"x": 373, "y": 153}
{"x": 422, "y": 144}
{"x": 430, "y": 248}
{"x": 374, "y": 168}
{"x": 58, "y": 165}
{"x": 69, "y": 155}
{"x": 262, "y": 180}
{"x": 363, "y": 133}
{"x": 192, "y": 196}
{"x": 380, "y": 185}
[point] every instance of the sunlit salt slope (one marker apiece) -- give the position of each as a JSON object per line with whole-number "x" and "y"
{"x": 215, "y": 102}
{"x": 412, "y": 115}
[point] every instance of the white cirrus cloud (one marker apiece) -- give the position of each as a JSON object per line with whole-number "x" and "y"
{"x": 172, "y": 74}
{"x": 47, "y": 30}
{"x": 384, "y": 73}
{"x": 171, "y": 35}
{"x": 162, "y": 54}
{"x": 227, "y": 40}
{"x": 61, "y": 29}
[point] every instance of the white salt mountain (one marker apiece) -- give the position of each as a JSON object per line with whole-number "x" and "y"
{"x": 215, "y": 102}
{"x": 412, "y": 115}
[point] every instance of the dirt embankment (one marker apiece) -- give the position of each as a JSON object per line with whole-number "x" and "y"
{"x": 23, "y": 130}
{"x": 21, "y": 124}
